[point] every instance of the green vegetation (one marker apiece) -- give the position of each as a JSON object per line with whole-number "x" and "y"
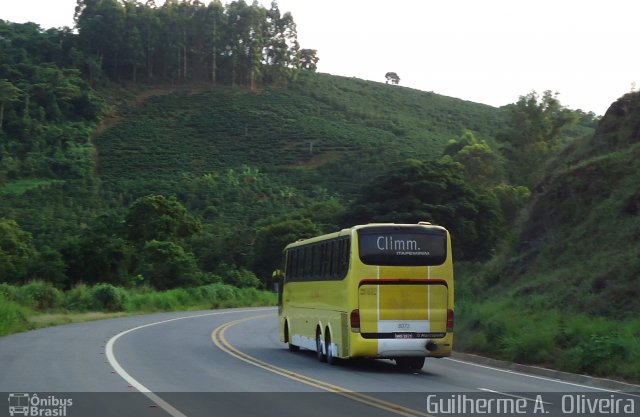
{"x": 39, "y": 304}
{"x": 563, "y": 290}
{"x": 321, "y": 130}
{"x": 509, "y": 329}
{"x": 179, "y": 189}
{"x": 438, "y": 192}
{"x": 238, "y": 43}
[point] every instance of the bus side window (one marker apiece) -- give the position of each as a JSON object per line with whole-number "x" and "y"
{"x": 343, "y": 258}
{"x": 294, "y": 265}
{"x": 286, "y": 263}
{"x": 316, "y": 261}
{"x": 308, "y": 259}
{"x": 324, "y": 273}
{"x": 334, "y": 259}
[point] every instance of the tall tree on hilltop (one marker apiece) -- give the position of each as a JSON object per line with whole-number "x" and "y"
{"x": 133, "y": 46}
{"x": 149, "y": 26}
{"x": 393, "y": 77}
{"x": 215, "y": 24}
{"x": 100, "y": 26}
{"x": 282, "y": 44}
{"x": 309, "y": 59}
{"x": 184, "y": 39}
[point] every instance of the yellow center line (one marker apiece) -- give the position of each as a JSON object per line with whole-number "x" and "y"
{"x": 219, "y": 339}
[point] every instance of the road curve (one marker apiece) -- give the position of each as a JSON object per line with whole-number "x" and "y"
{"x": 231, "y": 363}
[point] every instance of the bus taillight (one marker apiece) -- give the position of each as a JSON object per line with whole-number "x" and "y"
{"x": 449, "y": 320}
{"x": 355, "y": 321}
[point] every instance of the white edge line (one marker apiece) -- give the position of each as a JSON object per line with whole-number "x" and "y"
{"x": 533, "y": 376}
{"x": 513, "y": 396}
{"x": 135, "y": 383}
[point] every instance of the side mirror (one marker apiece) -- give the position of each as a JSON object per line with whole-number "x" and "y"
{"x": 277, "y": 278}
{"x": 277, "y": 275}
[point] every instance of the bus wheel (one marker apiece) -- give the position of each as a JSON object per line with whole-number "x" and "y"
{"x": 331, "y": 360}
{"x": 287, "y": 337}
{"x": 414, "y": 363}
{"x": 319, "y": 349}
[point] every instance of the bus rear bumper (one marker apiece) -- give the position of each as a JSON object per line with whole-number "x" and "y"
{"x": 393, "y": 348}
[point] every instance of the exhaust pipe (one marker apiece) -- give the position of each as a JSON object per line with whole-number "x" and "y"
{"x": 431, "y": 346}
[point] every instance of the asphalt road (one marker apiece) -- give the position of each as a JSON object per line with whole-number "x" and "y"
{"x": 231, "y": 363}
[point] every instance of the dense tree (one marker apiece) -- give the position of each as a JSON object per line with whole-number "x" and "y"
{"x": 412, "y": 191}
{"x": 481, "y": 164}
{"x": 49, "y": 265}
{"x": 156, "y": 217}
{"x": 512, "y": 199}
{"x": 271, "y": 240}
{"x": 167, "y": 265}
{"x": 98, "y": 257}
{"x": 16, "y": 251}
{"x": 455, "y": 145}
{"x": 8, "y": 94}
{"x": 186, "y": 40}
{"x": 532, "y": 134}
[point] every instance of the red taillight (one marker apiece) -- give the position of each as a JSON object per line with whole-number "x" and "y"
{"x": 449, "y": 320}
{"x": 355, "y": 321}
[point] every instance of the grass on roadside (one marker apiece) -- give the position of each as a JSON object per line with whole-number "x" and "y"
{"x": 506, "y": 329}
{"x": 40, "y": 304}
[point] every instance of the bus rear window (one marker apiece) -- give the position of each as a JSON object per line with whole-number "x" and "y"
{"x": 402, "y": 246}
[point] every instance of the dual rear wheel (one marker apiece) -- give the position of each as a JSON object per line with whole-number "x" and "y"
{"x": 324, "y": 353}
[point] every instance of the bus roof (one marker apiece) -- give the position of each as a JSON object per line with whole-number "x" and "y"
{"x": 347, "y": 232}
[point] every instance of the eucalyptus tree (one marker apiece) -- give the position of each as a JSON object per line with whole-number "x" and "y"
{"x": 149, "y": 27}
{"x": 281, "y": 50}
{"x": 215, "y": 26}
{"x": 246, "y": 30}
{"x": 308, "y": 59}
{"x": 133, "y": 46}
{"x": 100, "y": 25}
{"x": 8, "y": 94}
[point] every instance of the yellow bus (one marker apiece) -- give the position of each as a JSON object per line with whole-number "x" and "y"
{"x": 373, "y": 291}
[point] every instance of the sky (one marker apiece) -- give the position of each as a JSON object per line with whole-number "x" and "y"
{"x": 486, "y": 51}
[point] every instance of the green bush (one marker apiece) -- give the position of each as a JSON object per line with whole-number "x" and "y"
{"x": 107, "y": 297}
{"x": 40, "y": 295}
{"x": 13, "y": 318}
{"x": 596, "y": 354}
{"x": 8, "y": 291}
{"x": 78, "y": 298}
{"x": 242, "y": 278}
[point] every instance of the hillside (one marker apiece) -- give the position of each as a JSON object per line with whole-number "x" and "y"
{"x": 320, "y": 132}
{"x": 565, "y": 290}
{"x": 581, "y": 221}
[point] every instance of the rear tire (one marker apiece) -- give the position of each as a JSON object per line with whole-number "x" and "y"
{"x": 287, "y": 337}
{"x": 412, "y": 363}
{"x": 320, "y": 353}
{"x": 331, "y": 360}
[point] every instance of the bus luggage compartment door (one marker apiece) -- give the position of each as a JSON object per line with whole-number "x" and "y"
{"x": 403, "y": 309}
